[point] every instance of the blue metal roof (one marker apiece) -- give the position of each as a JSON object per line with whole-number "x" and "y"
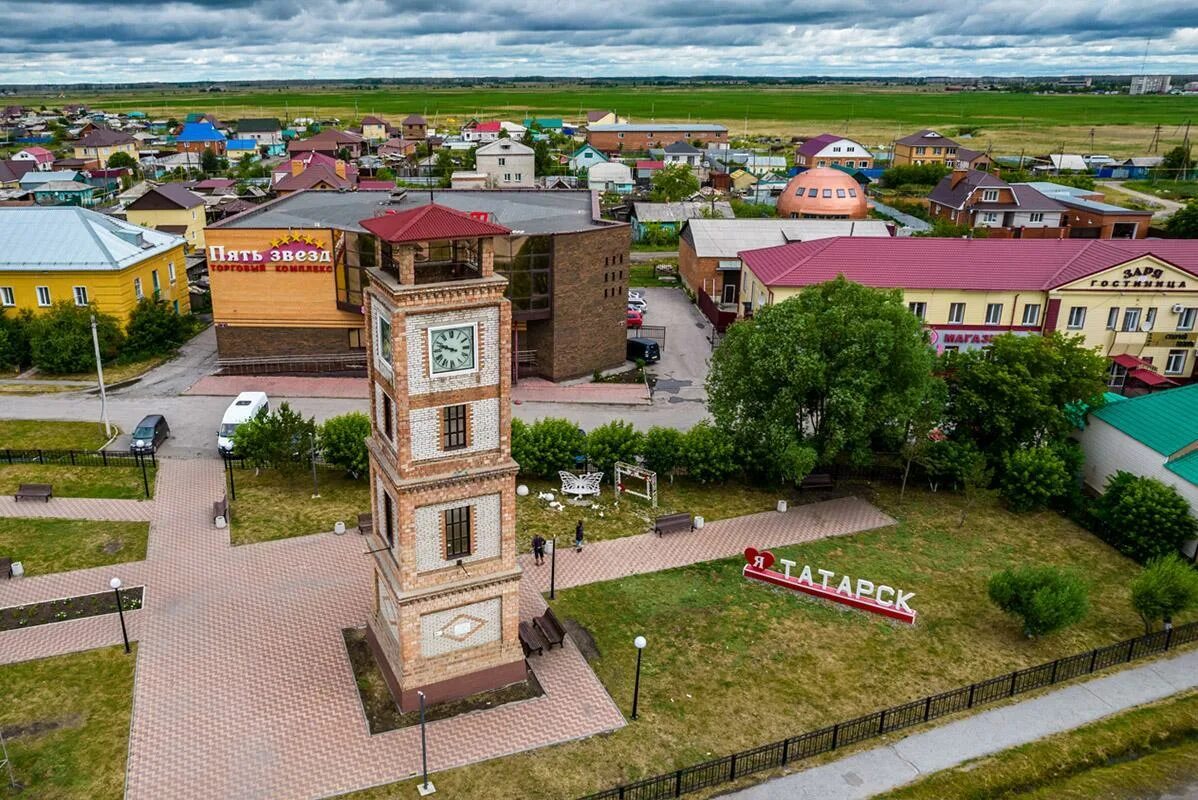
{"x": 199, "y": 132}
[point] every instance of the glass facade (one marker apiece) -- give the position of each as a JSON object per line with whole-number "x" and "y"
{"x": 526, "y": 261}
{"x": 351, "y": 274}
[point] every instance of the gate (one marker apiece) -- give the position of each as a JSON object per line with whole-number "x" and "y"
{"x": 655, "y": 332}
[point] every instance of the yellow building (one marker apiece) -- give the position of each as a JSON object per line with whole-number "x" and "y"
{"x": 171, "y": 209}
{"x": 57, "y": 253}
{"x": 100, "y": 144}
{"x": 1134, "y": 300}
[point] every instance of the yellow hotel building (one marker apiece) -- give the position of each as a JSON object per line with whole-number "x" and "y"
{"x": 57, "y": 253}
{"x": 1136, "y": 301}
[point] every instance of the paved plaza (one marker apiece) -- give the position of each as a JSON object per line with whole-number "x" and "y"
{"x": 243, "y": 687}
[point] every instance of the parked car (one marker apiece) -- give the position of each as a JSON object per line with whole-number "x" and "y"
{"x": 638, "y": 304}
{"x": 640, "y": 349}
{"x": 242, "y": 409}
{"x": 636, "y": 294}
{"x": 635, "y": 320}
{"x": 149, "y": 434}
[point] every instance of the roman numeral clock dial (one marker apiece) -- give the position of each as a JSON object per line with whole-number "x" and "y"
{"x": 452, "y": 349}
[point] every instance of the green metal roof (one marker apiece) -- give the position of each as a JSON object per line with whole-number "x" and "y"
{"x": 1165, "y": 421}
{"x": 1185, "y": 467}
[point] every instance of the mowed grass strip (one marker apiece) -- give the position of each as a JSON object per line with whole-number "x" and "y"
{"x": 1139, "y": 753}
{"x": 109, "y": 483}
{"x": 66, "y": 724}
{"x": 46, "y": 434}
{"x": 271, "y": 505}
{"x": 60, "y": 545}
{"x": 732, "y": 664}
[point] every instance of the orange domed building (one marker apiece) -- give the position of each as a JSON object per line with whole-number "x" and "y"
{"x": 823, "y": 193}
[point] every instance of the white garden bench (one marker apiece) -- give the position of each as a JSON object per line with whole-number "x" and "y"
{"x": 580, "y": 485}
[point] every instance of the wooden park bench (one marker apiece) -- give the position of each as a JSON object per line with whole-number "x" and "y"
{"x": 365, "y": 524}
{"x": 220, "y": 508}
{"x": 34, "y": 491}
{"x": 670, "y": 523}
{"x": 817, "y": 480}
{"x": 531, "y": 639}
{"x": 550, "y": 628}
{"x": 6, "y": 566}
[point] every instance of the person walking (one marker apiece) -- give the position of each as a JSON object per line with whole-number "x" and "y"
{"x": 538, "y": 549}
{"x": 578, "y": 537}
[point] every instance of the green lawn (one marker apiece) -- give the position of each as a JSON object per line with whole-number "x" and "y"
{"x": 1138, "y": 753}
{"x": 60, "y": 545}
{"x": 270, "y": 505}
{"x": 44, "y": 434}
{"x": 642, "y": 273}
{"x": 732, "y": 664}
{"x": 715, "y": 501}
{"x": 110, "y": 483}
{"x": 1172, "y": 190}
{"x": 66, "y": 722}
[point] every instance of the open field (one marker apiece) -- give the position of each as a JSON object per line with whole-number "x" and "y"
{"x": 43, "y": 434}
{"x": 1009, "y": 121}
{"x": 67, "y": 724}
{"x": 731, "y": 665}
{"x": 44, "y": 546}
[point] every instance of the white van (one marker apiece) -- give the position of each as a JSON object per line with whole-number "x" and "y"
{"x": 245, "y": 407}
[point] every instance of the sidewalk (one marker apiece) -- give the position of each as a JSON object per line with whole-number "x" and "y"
{"x": 539, "y": 390}
{"x": 281, "y": 386}
{"x": 883, "y": 769}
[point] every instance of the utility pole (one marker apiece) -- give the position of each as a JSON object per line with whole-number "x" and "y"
{"x": 100, "y": 374}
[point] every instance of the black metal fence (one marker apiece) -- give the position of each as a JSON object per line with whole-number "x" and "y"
{"x": 825, "y": 740}
{"x": 75, "y": 458}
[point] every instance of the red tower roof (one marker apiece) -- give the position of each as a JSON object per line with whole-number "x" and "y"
{"x": 430, "y": 223}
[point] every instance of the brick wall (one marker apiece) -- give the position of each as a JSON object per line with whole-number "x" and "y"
{"x": 241, "y": 342}
{"x": 487, "y": 373}
{"x": 611, "y": 141}
{"x": 697, "y": 272}
{"x": 482, "y": 430}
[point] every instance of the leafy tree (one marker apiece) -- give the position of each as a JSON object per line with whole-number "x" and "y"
{"x": 662, "y": 449}
{"x": 61, "y": 338}
{"x": 1014, "y": 393}
{"x": 942, "y": 228}
{"x": 343, "y": 442}
{"x": 542, "y": 158}
{"x": 1044, "y": 598}
{"x": 154, "y": 328}
{"x": 614, "y": 441}
{"x": 825, "y": 372}
{"x": 522, "y": 445}
{"x": 658, "y": 234}
{"x": 1143, "y": 517}
{"x": 14, "y": 340}
{"x": 914, "y": 175}
{"x": 673, "y": 183}
{"x": 1167, "y": 586}
{"x": 343, "y": 154}
{"x": 1033, "y": 479}
{"x": 1176, "y": 162}
{"x": 1184, "y": 222}
{"x": 211, "y": 162}
{"x": 947, "y": 461}
{"x": 547, "y": 446}
{"x": 385, "y": 174}
{"x": 122, "y": 159}
{"x": 280, "y": 439}
{"x": 975, "y": 479}
{"x": 708, "y": 453}
{"x": 746, "y": 210}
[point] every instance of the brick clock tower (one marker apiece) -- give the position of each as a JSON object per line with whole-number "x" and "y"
{"x": 446, "y": 583}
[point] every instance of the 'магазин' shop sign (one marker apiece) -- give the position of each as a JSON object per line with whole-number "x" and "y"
{"x": 862, "y": 594}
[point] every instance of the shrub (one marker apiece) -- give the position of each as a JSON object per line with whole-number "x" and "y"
{"x": 1044, "y": 598}
{"x": 1165, "y": 587}
{"x": 343, "y": 442}
{"x": 662, "y": 449}
{"x": 708, "y": 453}
{"x": 547, "y": 446}
{"x": 1142, "y": 517}
{"x": 612, "y": 442}
{"x": 154, "y": 328}
{"x": 61, "y": 338}
{"x": 948, "y": 461}
{"x": 14, "y": 340}
{"x": 918, "y": 174}
{"x": 1033, "y": 479}
{"x": 280, "y": 440}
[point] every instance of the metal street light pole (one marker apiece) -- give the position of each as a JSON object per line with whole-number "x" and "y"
{"x": 425, "y": 788}
{"x": 232, "y": 484}
{"x": 552, "y": 565}
{"x": 640, "y": 643}
{"x": 115, "y": 583}
{"x": 100, "y": 374}
{"x": 315, "y": 488}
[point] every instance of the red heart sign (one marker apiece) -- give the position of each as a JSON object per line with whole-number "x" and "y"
{"x": 753, "y": 555}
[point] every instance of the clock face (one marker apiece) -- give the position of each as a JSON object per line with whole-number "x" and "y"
{"x": 451, "y": 349}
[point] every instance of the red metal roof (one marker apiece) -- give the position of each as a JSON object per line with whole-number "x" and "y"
{"x": 430, "y": 223}
{"x": 1128, "y": 360}
{"x": 650, "y": 165}
{"x": 488, "y": 127}
{"x": 980, "y": 264}
{"x": 372, "y": 186}
{"x": 1149, "y": 377}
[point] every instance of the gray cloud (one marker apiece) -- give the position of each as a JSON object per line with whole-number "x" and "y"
{"x": 63, "y": 41}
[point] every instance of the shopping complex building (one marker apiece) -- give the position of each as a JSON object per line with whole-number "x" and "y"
{"x": 1135, "y": 300}
{"x": 287, "y": 277}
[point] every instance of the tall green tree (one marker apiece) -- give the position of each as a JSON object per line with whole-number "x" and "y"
{"x": 61, "y": 338}
{"x": 1014, "y": 393}
{"x": 1184, "y": 222}
{"x": 820, "y": 376}
{"x": 673, "y": 183}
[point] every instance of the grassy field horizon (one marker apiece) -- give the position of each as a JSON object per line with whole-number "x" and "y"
{"x": 1008, "y": 121}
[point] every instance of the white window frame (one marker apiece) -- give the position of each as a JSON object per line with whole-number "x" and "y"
{"x": 990, "y": 195}
{"x": 7, "y": 296}
{"x": 1112, "y": 318}
{"x": 155, "y": 281}
{"x": 994, "y": 313}
{"x": 137, "y": 290}
{"x": 382, "y": 361}
{"x": 428, "y": 346}
{"x": 80, "y": 292}
{"x": 1036, "y": 216}
{"x": 1185, "y": 320}
{"x": 919, "y": 309}
{"x": 956, "y": 313}
{"x": 1169, "y": 362}
{"x": 170, "y": 271}
{"x": 1150, "y": 317}
{"x": 1031, "y": 313}
{"x": 1131, "y": 320}
{"x": 44, "y": 298}
{"x": 1077, "y": 321}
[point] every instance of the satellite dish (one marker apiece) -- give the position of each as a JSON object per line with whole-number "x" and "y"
{"x": 1145, "y": 326}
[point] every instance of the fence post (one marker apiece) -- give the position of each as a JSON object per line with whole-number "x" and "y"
{"x": 678, "y": 783}
{"x": 1053, "y": 679}
{"x": 8, "y": 452}
{"x": 732, "y": 769}
{"x": 785, "y": 751}
{"x": 927, "y": 707}
{"x": 835, "y": 734}
{"x": 1131, "y": 646}
{"x": 621, "y": 791}
{"x": 72, "y": 454}
{"x": 1093, "y": 658}
{"x": 1012, "y": 692}
{"x": 882, "y": 722}
{"x": 1168, "y": 638}
{"x": 972, "y": 686}
{"x": 104, "y": 455}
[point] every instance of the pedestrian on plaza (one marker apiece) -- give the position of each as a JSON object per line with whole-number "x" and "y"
{"x": 538, "y": 549}
{"x": 578, "y": 537}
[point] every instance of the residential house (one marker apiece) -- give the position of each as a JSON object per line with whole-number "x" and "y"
{"x": 981, "y": 200}
{"x": 329, "y": 142}
{"x": 514, "y": 130}
{"x": 1136, "y": 168}
{"x": 603, "y": 118}
{"x": 613, "y": 138}
{"x": 1061, "y": 162}
{"x": 973, "y": 159}
{"x": 171, "y": 208}
{"x": 12, "y": 171}
{"x": 1090, "y": 217}
{"x": 196, "y": 137}
{"x": 42, "y": 158}
{"x": 831, "y": 150}
{"x": 414, "y": 127}
{"x": 32, "y": 179}
{"x": 670, "y": 217}
{"x": 64, "y": 193}
{"x": 397, "y": 149}
{"x": 740, "y": 180}
{"x": 924, "y": 147}
{"x": 375, "y": 130}
{"x": 582, "y": 159}
{"x": 313, "y": 171}
{"x": 237, "y": 149}
{"x": 610, "y": 176}
{"x": 100, "y": 144}
{"x": 547, "y": 124}
{"x": 475, "y": 131}
{"x": 464, "y": 179}
{"x": 265, "y": 131}
{"x": 508, "y": 163}
{"x": 682, "y": 153}
{"x": 645, "y": 170}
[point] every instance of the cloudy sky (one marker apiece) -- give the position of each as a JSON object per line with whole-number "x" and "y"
{"x": 64, "y": 41}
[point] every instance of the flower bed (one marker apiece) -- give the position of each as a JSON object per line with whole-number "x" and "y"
{"x": 68, "y": 608}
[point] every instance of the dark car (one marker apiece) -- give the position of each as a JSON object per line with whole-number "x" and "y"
{"x": 149, "y": 434}
{"x": 646, "y": 350}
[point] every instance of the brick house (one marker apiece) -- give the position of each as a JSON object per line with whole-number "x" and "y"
{"x": 981, "y": 200}
{"x": 924, "y": 147}
{"x": 641, "y": 137}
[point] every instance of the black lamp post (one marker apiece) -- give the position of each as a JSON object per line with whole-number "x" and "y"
{"x": 115, "y": 583}
{"x": 552, "y": 565}
{"x": 636, "y": 687}
{"x": 425, "y": 788}
{"x": 232, "y": 485}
